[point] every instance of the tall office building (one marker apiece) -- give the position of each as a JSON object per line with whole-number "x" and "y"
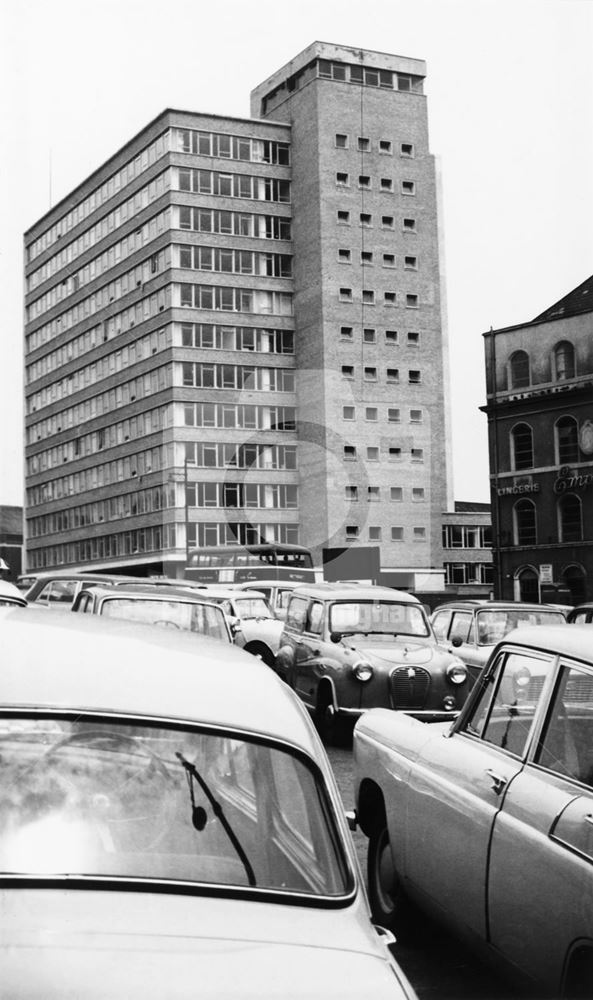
{"x": 234, "y": 333}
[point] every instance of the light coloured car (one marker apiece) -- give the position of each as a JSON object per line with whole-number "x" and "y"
{"x": 473, "y": 627}
{"x": 10, "y": 594}
{"x": 276, "y": 592}
{"x": 170, "y": 826}
{"x": 58, "y": 589}
{"x": 169, "y": 608}
{"x": 487, "y": 824}
{"x": 253, "y": 623}
{"x": 347, "y": 647}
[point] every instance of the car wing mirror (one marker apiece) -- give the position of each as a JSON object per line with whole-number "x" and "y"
{"x": 335, "y": 636}
{"x": 351, "y": 819}
{"x": 457, "y": 642}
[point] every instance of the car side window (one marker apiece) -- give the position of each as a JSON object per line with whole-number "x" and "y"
{"x": 84, "y": 604}
{"x": 315, "y": 618}
{"x": 440, "y": 624}
{"x": 567, "y": 739}
{"x": 296, "y": 614}
{"x": 462, "y": 626}
{"x": 504, "y": 713}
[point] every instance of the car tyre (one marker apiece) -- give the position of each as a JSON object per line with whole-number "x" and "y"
{"x": 390, "y": 906}
{"x": 262, "y": 652}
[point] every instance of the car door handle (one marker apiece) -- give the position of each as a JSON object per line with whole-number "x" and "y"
{"x": 498, "y": 782}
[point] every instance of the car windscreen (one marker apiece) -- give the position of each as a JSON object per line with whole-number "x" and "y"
{"x": 252, "y": 607}
{"x": 493, "y": 624}
{"x": 378, "y": 618}
{"x": 208, "y": 619}
{"x": 119, "y": 799}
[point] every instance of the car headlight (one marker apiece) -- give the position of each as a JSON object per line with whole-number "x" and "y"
{"x": 362, "y": 670}
{"x": 457, "y": 672}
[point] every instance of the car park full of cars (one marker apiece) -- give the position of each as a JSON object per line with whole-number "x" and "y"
{"x": 473, "y": 627}
{"x": 349, "y": 647}
{"x": 487, "y": 824}
{"x": 255, "y": 627}
{"x": 170, "y": 826}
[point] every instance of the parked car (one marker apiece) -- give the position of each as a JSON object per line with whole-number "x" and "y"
{"x": 474, "y": 627}
{"x": 10, "y": 594}
{"x": 276, "y": 593}
{"x": 581, "y": 615}
{"x": 170, "y": 826}
{"x": 255, "y": 627}
{"x": 172, "y": 608}
{"x": 487, "y": 823}
{"x": 59, "y": 589}
{"x": 348, "y": 647}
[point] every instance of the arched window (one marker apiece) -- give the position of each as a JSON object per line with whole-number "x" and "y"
{"x": 525, "y": 523}
{"x": 528, "y": 588}
{"x": 567, "y": 441}
{"x": 519, "y": 370}
{"x": 570, "y": 521}
{"x": 522, "y": 447}
{"x": 564, "y": 365}
{"x": 575, "y": 579}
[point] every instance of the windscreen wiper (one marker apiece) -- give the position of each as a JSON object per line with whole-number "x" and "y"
{"x": 199, "y": 817}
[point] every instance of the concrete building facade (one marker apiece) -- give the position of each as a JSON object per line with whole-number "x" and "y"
{"x": 234, "y": 332}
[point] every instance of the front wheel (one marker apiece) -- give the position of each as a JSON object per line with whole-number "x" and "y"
{"x": 390, "y": 907}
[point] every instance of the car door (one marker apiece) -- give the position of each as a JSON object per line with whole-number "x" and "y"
{"x": 462, "y": 636}
{"x": 458, "y": 786}
{"x": 309, "y": 660}
{"x": 540, "y": 897}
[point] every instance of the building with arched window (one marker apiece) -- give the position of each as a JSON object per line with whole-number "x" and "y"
{"x": 539, "y": 379}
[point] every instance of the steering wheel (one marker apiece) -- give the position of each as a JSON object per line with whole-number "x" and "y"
{"x": 166, "y": 622}
{"x": 130, "y": 796}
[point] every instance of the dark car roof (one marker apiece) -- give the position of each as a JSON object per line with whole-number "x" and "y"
{"x": 354, "y": 591}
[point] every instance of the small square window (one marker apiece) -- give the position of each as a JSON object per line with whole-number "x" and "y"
{"x": 373, "y": 454}
{"x": 342, "y": 179}
{"x": 341, "y": 140}
{"x": 345, "y": 295}
{"x": 393, "y": 415}
{"x": 387, "y": 221}
{"x": 369, "y": 336}
{"x": 346, "y": 332}
{"x": 351, "y": 493}
{"x": 385, "y": 146}
{"x": 373, "y": 494}
{"x": 368, "y": 297}
{"x": 386, "y": 184}
{"x": 417, "y": 454}
{"x": 409, "y": 225}
{"x": 404, "y": 82}
{"x": 418, "y": 493}
{"x": 411, "y": 263}
{"x": 364, "y": 144}
{"x": 414, "y": 377}
{"x": 393, "y": 375}
{"x": 395, "y": 454}
{"x": 365, "y": 219}
{"x": 349, "y": 453}
{"x": 352, "y": 531}
{"x": 371, "y": 413}
{"x": 364, "y": 181}
{"x": 388, "y": 260}
{"x": 344, "y": 256}
{"x": 413, "y": 338}
{"x": 348, "y": 412}
{"x": 390, "y": 298}
{"x": 397, "y": 534}
{"x": 419, "y": 534}
{"x": 396, "y": 494}
{"x": 391, "y": 337}
{"x": 416, "y": 416}
{"x": 411, "y": 301}
{"x": 374, "y": 534}
{"x": 370, "y": 374}
{"x": 347, "y": 371}
{"x": 406, "y": 149}
{"x": 408, "y": 187}
{"x": 366, "y": 257}
{"x": 344, "y": 218}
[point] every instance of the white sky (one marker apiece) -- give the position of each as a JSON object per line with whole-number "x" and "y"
{"x": 510, "y": 105}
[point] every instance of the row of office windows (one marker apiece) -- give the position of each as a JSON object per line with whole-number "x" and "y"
{"x": 368, "y": 297}
{"x": 132, "y": 353}
{"x": 373, "y": 453}
{"x": 229, "y": 261}
{"x": 205, "y": 533}
{"x": 244, "y": 224}
{"x": 100, "y": 474}
{"x": 384, "y": 184}
{"x": 464, "y": 573}
{"x": 364, "y": 144}
{"x": 231, "y": 147}
{"x": 276, "y": 495}
{"x": 369, "y": 76}
{"x": 122, "y": 543}
{"x": 462, "y": 536}
{"x": 367, "y": 221}
{"x": 211, "y": 376}
{"x": 367, "y": 258}
{"x": 370, "y": 373}
{"x": 396, "y": 533}
{"x": 246, "y": 186}
{"x": 566, "y": 444}
{"x": 213, "y": 455}
{"x": 260, "y": 301}
{"x": 369, "y": 336}
{"x": 260, "y": 340}
{"x": 99, "y": 511}
{"x": 102, "y": 402}
{"x": 563, "y": 360}
{"x": 373, "y": 494}
{"x": 140, "y": 162}
{"x": 240, "y": 415}
{"x": 124, "y": 248}
{"x": 569, "y": 521}
{"x": 83, "y": 445}
{"x": 393, "y": 414}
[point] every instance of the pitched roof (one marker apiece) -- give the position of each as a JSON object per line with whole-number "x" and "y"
{"x": 578, "y": 301}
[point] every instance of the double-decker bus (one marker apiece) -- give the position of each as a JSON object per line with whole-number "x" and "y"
{"x": 242, "y": 563}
